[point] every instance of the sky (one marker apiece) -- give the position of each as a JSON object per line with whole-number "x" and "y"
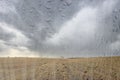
{"x": 55, "y": 28}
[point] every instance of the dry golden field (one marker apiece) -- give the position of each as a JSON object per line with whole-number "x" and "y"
{"x": 99, "y": 68}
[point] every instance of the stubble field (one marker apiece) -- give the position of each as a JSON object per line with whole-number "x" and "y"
{"x": 99, "y": 68}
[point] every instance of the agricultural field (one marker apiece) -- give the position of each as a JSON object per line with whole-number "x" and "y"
{"x": 97, "y": 68}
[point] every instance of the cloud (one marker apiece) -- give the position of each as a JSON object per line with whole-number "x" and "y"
{"x": 59, "y": 28}
{"x": 17, "y": 40}
{"x": 80, "y": 28}
{"x": 7, "y": 7}
{"x": 3, "y": 47}
{"x": 83, "y": 34}
{"x": 12, "y": 52}
{"x": 115, "y": 46}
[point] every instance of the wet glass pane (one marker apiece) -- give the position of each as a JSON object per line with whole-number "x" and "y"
{"x": 59, "y": 40}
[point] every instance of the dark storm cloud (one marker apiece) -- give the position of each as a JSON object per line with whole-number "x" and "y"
{"x": 60, "y": 27}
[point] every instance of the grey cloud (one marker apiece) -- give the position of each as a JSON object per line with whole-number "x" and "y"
{"x": 39, "y": 20}
{"x": 5, "y": 36}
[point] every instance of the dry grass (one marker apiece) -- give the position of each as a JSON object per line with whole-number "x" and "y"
{"x": 102, "y": 68}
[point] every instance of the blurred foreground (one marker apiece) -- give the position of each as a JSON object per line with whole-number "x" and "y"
{"x": 99, "y": 68}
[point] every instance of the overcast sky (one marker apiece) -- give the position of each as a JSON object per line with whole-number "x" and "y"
{"x": 54, "y": 28}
